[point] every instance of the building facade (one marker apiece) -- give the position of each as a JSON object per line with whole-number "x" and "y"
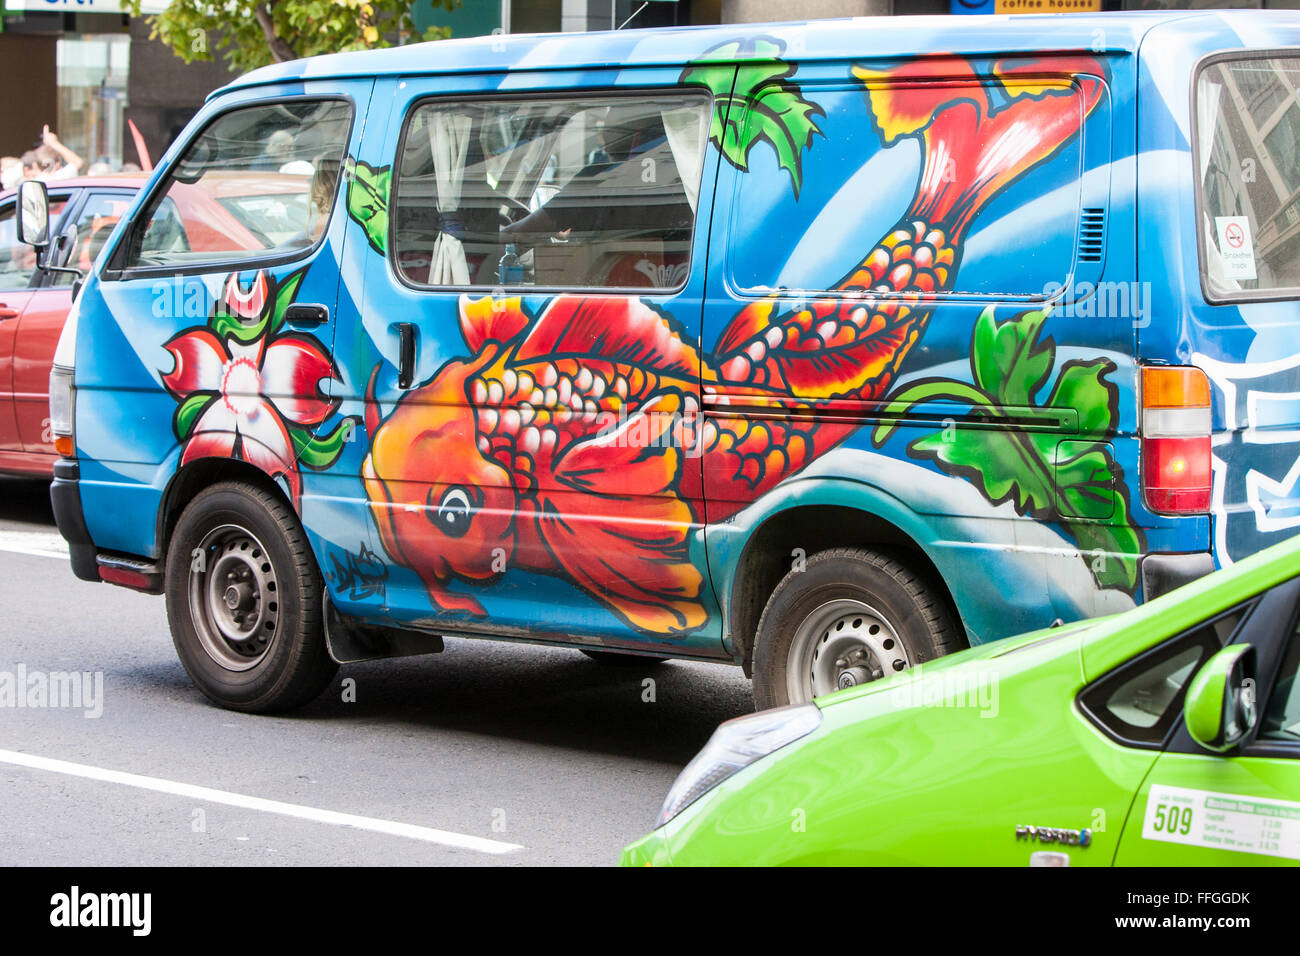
{"x": 88, "y": 70}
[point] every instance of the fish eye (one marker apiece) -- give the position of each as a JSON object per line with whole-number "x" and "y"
{"x": 453, "y": 515}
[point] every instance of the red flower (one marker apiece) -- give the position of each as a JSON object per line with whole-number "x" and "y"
{"x": 259, "y": 392}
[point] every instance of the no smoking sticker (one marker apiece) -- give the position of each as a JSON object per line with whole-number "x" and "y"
{"x": 1235, "y": 247}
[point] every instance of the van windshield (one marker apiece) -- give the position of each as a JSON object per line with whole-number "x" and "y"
{"x": 1248, "y": 150}
{"x": 259, "y": 181}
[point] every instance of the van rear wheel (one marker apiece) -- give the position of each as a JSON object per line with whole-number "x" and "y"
{"x": 244, "y": 601}
{"x": 850, "y": 616}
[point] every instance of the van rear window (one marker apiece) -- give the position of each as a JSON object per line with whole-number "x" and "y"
{"x": 569, "y": 193}
{"x": 1248, "y": 155}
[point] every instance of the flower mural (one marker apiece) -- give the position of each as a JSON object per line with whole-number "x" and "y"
{"x": 246, "y": 391}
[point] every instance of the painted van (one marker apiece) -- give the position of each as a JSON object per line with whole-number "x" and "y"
{"x": 824, "y": 349}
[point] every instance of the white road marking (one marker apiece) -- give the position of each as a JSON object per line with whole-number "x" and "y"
{"x": 316, "y": 815}
{"x": 43, "y": 544}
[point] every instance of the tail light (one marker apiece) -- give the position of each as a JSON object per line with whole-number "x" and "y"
{"x": 63, "y": 396}
{"x": 1176, "y": 439}
{"x": 62, "y": 399}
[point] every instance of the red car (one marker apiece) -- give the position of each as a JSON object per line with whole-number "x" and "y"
{"x": 254, "y": 209}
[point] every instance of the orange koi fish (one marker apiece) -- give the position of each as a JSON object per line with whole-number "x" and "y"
{"x": 564, "y": 443}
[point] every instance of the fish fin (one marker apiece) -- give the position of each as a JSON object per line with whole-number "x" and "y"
{"x": 749, "y": 322}
{"x": 446, "y": 600}
{"x": 856, "y": 371}
{"x": 491, "y": 320}
{"x": 902, "y": 103}
{"x": 617, "y": 525}
{"x": 827, "y": 350}
{"x": 971, "y": 148}
{"x": 614, "y": 328}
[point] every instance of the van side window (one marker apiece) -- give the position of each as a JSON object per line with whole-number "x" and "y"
{"x": 257, "y": 183}
{"x": 854, "y": 183}
{"x": 1247, "y": 114}
{"x": 590, "y": 192}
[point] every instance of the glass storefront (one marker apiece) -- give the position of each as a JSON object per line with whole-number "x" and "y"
{"x": 92, "y": 76}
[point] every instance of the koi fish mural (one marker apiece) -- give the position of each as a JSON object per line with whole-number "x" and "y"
{"x": 491, "y": 457}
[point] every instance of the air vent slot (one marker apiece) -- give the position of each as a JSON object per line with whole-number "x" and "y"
{"x": 1092, "y": 235}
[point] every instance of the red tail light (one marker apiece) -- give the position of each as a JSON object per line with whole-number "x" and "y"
{"x": 1176, "y": 439}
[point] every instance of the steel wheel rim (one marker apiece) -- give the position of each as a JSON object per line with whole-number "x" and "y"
{"x": 234, "y": 597}
{"x": 843, "y": 643}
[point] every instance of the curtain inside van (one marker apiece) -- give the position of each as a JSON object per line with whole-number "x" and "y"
{"x": 685, "y": 130}
{"x": 449, "y": 135}
{"x": 1207, "y": 112}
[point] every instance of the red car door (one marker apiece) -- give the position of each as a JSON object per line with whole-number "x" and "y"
{"x": 16, "y": 266}
{"x": 33, "y": 355}
{"x": 43, "y": 318}
{"x": 12, "y": 303}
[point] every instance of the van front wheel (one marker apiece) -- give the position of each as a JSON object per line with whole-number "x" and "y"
{"x": 848, "y": 617}
{"x": 244, "y": 601}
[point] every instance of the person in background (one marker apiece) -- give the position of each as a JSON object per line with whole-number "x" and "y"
{"x": 11, "y": 172}
{"x": 324, "y": 183}
{"x": 51, "y": 161}
{"x": 31, "y": 165}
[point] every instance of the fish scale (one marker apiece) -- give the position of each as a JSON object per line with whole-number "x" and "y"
{"x": 913, "y": 261}
{"x": 887, "y": 291}
{"x": 528, "y": 416}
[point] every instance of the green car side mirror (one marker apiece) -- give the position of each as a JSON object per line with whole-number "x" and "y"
{"x": 1220, "y": 705}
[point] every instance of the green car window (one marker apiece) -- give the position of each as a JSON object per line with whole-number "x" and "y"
{"x": 1144, "y": 699}
{"x": 1282, "y": 719}
{"x": 1138, "y": 702}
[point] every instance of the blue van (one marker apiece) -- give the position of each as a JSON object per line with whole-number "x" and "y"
{"x": 824, "y": 349}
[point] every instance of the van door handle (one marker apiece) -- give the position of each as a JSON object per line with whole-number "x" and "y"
{"x": 305, "y": 315}
{"x": 406, "y": 354}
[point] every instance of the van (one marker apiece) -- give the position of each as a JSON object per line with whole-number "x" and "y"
{"x": 823, "y": 349}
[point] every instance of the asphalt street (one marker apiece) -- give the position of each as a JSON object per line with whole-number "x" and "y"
{"x": 487, "y": 754}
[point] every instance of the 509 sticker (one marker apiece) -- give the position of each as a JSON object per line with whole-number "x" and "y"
{"x": 1223, "y": 821}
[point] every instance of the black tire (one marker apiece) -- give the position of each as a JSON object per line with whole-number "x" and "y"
{"x": 905, "y": 605}
{"x": 619, "y": 659}
{"x": 274, "y": 574}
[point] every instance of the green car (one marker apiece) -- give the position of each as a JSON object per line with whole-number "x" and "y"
{"x": 1168, "y": 735}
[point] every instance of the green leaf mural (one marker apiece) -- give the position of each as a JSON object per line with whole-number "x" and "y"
{"x": 188, "y": 412}
{"x": 1043, "y": 476}
{"x": 368, "y": 192}
{"x": 777, "y": 112}
{"x": 321, "y": 451}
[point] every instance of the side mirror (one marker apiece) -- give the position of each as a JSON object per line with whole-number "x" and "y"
{"x": 1220, "y": 707}
{"x": 34, "y": 214}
